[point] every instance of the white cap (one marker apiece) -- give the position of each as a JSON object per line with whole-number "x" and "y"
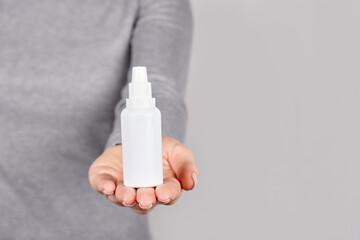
{"x": 140, "y": 89}
{"x": 139, "y": 74}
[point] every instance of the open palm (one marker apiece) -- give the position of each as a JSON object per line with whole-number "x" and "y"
{"x": 180, "y": 172}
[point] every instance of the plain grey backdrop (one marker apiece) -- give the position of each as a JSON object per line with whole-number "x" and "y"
{"x": 274, "y": 114}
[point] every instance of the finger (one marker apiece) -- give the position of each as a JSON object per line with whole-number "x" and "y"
{"x": 183, "y": 163}
{"x": 114, "y": 200}
{"x": 169, "y": 191}
{"x": 136, "y": 208}
{"x": 126, "y": 195}
{"x": 145, "y": 197}
{"x": 103, "y": 183}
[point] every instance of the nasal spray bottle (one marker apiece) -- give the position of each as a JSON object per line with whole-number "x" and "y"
{"x": 141, "y": 134}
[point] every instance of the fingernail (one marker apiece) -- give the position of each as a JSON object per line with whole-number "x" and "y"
{"x": 145, "y": 207}
{"x": 107, "y": 193}
{"x": 164, "y": 201}
{"x": 194, "y": 177}
{"x": 127, "y": 205}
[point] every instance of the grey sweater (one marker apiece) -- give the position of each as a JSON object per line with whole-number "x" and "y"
{"x": 63, "y": 82}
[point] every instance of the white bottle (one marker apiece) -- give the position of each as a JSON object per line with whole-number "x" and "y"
{"x": 141, "y": 134}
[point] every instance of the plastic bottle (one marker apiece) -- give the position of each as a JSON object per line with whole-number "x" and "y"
{"x": 141, "y": 134}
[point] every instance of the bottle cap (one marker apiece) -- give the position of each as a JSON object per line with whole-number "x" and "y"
{"x": 140, "y": 89}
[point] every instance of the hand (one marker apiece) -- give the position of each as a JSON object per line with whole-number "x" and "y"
{"x": 180, "y": 172}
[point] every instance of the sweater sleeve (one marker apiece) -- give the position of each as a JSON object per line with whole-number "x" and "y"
{"x": 161, "y": 41}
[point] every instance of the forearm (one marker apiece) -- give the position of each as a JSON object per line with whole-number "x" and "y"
{"x": 161, "y": 41}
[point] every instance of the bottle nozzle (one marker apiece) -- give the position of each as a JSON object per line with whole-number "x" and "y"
{"x": 140, "y": 89}
{"x": 139, "y": 74}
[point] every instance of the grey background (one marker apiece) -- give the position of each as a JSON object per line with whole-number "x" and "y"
{"x": 274, "y": 117}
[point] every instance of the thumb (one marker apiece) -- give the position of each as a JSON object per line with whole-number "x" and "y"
{"x": 182, "y": 162}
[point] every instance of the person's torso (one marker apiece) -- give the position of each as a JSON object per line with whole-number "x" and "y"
{"x": 62, "y": 67}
